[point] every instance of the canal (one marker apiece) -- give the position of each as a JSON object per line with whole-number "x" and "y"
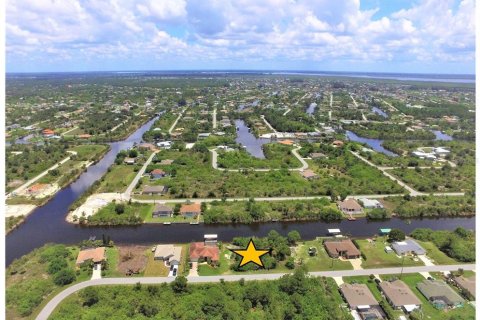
{"x": 375, "y": 144}
{"x": 252, "y": 144}
{"x": 47, "y": 224}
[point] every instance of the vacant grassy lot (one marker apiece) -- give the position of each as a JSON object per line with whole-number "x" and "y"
{"x": 155, "y": 268}
{"x": 133, "y": 213}
{"x": 117, "y": 178}
{"x": 437, "y": 256}
{"x": 376, "y": 256}
{"x": 320, "y": 262}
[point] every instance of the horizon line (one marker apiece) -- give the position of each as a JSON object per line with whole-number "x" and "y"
{"x": 234, "y": 71}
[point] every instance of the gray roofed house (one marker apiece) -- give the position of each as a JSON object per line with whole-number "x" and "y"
{"x": 162, "y": 210}
{"x": 168, "y": 253}
{"x": 358, "y": 295}
{"x": 440, "y": 294}
{"x": 399, "y": 295}
{"x": 317, "y": 155}
{"x": 408, "y": 247}
{"x": 154, "y": 190}
{"x": 466, "y": 284}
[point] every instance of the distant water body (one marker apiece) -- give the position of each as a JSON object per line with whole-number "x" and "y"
{"x": 452, "y": 78}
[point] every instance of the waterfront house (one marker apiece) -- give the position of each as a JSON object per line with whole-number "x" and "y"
{"x": 47, "y": 133}
{"x": 129, "y": 161}
{"x": 341, "y": 248}
{"x": 190, "y": 210}
{"x": 168, "y": 253}
{"x": 440, "y": 294}
{"x": 408, "y": 247}
{"x": 371, "y": 203}
{"x": 200, "y": 252}
{"x": 161, "y": 210}
{"x": 399, "y": 295}
{"x": 350, "y": 206}
{"x": 96, "y": 255}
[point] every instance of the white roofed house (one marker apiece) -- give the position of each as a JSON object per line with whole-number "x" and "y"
{"x": 168, "y": 253}
{"x": 441, "y": 152}
{"x": 371, "y": 203}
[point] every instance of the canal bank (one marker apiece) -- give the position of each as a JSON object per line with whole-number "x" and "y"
{"x": 47, "y": 224}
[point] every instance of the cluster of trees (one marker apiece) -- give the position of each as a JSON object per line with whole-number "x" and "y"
{"x": 429, "y": 206}
{"x": 389, "y": 132}
{"x": 252, "y": 211}
{"x": 295, "y": 121}
{"x": 437, "y": 110}
{"x": 458, "y": 244}
{"x": 276, "y": 156}
{"x": 34, "y": 276}
{"x": 117, "y": 214}
{"x": 132, "y": 153}
{"x": 296, "y": 296}
{"x": 277, "y": 244}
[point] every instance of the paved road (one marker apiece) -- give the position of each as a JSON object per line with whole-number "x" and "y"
{"x": 50, "y": 307}
{"x": 294, "y": 152}
{"x": 176, "y": 121}
{"x": 268, "y": 124}
{"x": 41, "y": 175}
{"x": 69, "y": 131}
{"x": 214, "y": 119}
{"x": 134, "y": 182}
{"x": 413, "y": 192}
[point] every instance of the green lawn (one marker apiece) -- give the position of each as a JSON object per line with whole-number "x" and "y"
{"x": 88, "y": 151}
{"x": 172, "y": 219}
{"x": 133, "y": 213}
{"x": 224, "y": 266}
{"x": 467, "y": 312}
{"x": 155, "y": 268}
{"x": 320, "y": 262}
{"x": 112, "y": 261}
{"x": 376, "y": 257}
{"x": 437, "y": 256}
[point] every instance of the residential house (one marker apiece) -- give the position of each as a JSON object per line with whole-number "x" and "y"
{"x": 168, "y": 253}
{"x": 199, "y": 252}
{"x": 350, "y": 206}
{"x": 466, "y": 284}
{"x": 37, "y": 189}
{"x": 204, "y": 135}
{"x": 309, "y": 174}
{"x": 161, "y": 210}
{"x": 317, "y": 155}
{"x": 164, "y": 144}
{"x": 96, "y": 255}
{"x": 338, "y": 143}
{"x": 408, "y": 247}
{"x": 166, "y": 162}
{"x": 151, "y": 190}
{"x": 47, "y": 133}
{"x": 440, "y": 294}
{"x": 157, "y": 174}
{"x": 190, "y": 210}
{"x": 129, "y": 160}
{"x": 146, "y": 146}
{"x": 342, "y": 248}
{"x": 359, "y": 298}
{"x": 371, "y": 203}
{"x": 399, "y": 295}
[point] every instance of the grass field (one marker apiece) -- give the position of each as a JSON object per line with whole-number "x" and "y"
{"x": 378, "y": 258}
{"x": 155, "y": 268}
{"x": 437, "y": 256}
{"x": 117, "y": 179}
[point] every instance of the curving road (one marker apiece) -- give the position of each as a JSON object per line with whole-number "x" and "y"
{"x": 52, "y": 304}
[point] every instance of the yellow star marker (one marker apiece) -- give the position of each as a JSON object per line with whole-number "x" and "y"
{"x": 251, "y": 254}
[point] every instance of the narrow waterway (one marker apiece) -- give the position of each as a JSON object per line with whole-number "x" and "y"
{"x": 47, "y": 224}
{"x": 375, "y": 144}
{"x": 252, "y": 144}
{"x": 380, "y": 112}
{"x": 440, "y": 136}
{"x": 311, "y": 108}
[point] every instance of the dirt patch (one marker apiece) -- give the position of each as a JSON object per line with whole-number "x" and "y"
{"x": 132, "y": 259}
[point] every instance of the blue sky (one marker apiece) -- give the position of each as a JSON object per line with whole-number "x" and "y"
{"x": 418, "y": 36}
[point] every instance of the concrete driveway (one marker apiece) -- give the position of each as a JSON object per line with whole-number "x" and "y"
{"x": 193, "y": 270}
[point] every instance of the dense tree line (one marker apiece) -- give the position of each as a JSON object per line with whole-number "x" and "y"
{"x": 389, "y": 132}
{"x": 296, "y": 296}
{"x": 294, "y": 121}
{"x": 458, "y": 244}
{"x": 430, "y": 206}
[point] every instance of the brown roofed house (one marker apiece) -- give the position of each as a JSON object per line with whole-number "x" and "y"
{"x": 154, "y": 190}
{"x": 342, "y": 248}
{"x": 201, "y": 252}
{"x": 96, "y": 255}
{"x": 350, "y": 206}
{"x": 157, "y": 174}
{"x": 317, "y": 155}
{"x": 309, "y": 174}
{"x": 399, "y": 295}
{"x": 190, "y": 210}
{"x": 358, "y": 295}
{"x": 286, "y": 142}
{"x": 337, "y": 143}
